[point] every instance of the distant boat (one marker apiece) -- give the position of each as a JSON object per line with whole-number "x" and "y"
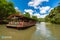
{"x": 20, "y": 22}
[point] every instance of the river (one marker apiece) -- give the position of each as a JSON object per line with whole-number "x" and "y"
{"x": 42, "y": 31}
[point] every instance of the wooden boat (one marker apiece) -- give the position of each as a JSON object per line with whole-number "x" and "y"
{"x": 20, "y": 22}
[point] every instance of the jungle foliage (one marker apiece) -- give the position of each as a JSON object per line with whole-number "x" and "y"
{"x": 54, "y": 15}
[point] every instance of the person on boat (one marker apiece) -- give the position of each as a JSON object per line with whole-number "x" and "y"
{"x": 20, "y": 24}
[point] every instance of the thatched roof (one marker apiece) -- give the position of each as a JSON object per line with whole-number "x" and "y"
{"x": 20, "y": 16}
{"x": 17, "y": 15}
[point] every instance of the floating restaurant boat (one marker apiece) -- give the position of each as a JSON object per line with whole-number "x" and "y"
{"x": 20, "y": 22}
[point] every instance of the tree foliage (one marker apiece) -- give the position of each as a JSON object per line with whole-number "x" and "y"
{"x": 27, "y": 14}
{"x": 54, "y": 15}
{"x": 6, "y": 9}
{"x": 41, "y": 19}
{"x": 34, "y": 17}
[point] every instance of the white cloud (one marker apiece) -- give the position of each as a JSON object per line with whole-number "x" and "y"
{"x": 35, "y": 3}
{"x": 37, "y": 14}
{"x": 50, "y": 9}
{"x": 43, "y": 16}
{"x": 17, "y": 9}
{"x": 44, "y": 9}
{"x": 30, "y": 11}
{"x": 40, "y": 16}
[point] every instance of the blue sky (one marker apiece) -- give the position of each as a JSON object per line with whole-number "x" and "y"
{"x": 39, "y": 8}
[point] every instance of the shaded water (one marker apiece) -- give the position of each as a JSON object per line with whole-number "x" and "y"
{"x": 42, "y": 31}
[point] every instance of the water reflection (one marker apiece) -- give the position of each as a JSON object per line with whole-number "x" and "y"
{"x": 42, "y": 32}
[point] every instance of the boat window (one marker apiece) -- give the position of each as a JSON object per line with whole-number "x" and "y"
{"x": 26, "y": 20}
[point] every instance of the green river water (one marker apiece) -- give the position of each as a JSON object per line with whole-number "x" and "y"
{"x": 42, "y": 31}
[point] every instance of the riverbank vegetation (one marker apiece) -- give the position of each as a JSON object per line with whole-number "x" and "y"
{"x": 29, "y": 16}
{"x": 6, "y": 9}
{"x": 34, "y": 17}
{"x": 54, "y": 15}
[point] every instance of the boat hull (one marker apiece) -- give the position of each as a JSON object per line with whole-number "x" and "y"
{"x": 20, "y": 28}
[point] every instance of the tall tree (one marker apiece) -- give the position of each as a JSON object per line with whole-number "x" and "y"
{"x": 6, "y": 9}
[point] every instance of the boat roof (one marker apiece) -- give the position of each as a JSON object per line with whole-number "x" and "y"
{"x": 20, "y": 16}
